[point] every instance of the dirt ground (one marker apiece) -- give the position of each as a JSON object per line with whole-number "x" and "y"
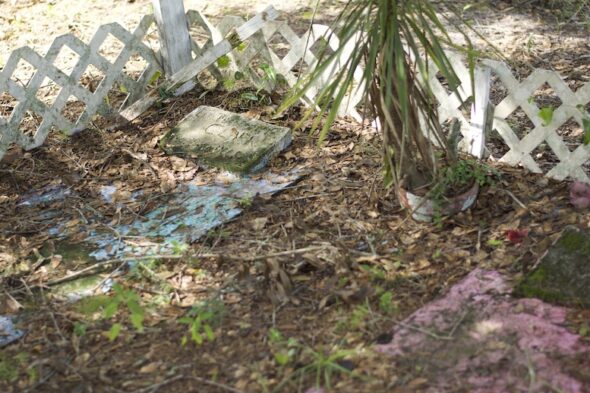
{"x": 282, "y": 321}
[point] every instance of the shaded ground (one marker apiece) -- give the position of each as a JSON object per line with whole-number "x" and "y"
{"x": 359, "y": 263}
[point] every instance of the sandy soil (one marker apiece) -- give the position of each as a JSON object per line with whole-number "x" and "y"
{"x": 36, "y": 23}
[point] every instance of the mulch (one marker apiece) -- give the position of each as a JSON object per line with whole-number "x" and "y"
{"x": 351, "y": 244}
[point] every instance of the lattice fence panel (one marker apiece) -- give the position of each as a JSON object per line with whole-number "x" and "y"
{"x": 452, "y": 103}
{"x": 572, "y": 163}
{"x": 24, "y": 99}
{"x": 301, "y": 58}
{"x": 292, "y": 58}
{"x": 260, "y": 51}
{"x": 568, "y": 158}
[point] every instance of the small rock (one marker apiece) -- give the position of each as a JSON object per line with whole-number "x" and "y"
{"x": 580, "y": 195}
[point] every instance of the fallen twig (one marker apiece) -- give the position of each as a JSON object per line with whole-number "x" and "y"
{"x": 101, "y": 265}
{"x": 259, "y": 257}
{"x": 515, "y": 199}
{"x": 154, "y": 388}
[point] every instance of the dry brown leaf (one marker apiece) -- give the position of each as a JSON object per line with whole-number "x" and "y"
{"x": 259, "y": 223}
{"x": 150, "y": 368}
{"x": 373, "y": 214}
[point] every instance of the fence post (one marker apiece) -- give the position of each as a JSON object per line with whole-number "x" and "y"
{"x": 175, "y": 40}
{"x": 481, "y": 110}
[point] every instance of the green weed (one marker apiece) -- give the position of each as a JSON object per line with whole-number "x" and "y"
{"x": 201, "y": 320}
{"x": 11, "y": 367}
{"x": 109, "y": 306}
{"x": 323, "y": 365}
{"x": 284, "y": 350}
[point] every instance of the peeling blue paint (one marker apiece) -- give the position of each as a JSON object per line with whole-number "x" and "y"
{"x": 47, "y": 195}
{"x": 8, "y": 333}
{"x": 187, "y": 214}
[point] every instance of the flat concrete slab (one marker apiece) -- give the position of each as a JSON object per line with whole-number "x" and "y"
{"x": 562, "y": 275}
{"x": 480, "y": 339}
{"x": 226, "y": 140}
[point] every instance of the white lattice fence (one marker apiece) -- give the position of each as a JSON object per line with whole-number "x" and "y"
{"x": 260, "y": 49}
{"x": 568, "y": 158}
{"x": 572, "y": 163}
{"x": 291, "y": 58}
{"x": 21, "y": 100}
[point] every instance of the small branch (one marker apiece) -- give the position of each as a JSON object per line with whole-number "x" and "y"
{"x": 101, "y": 265}
{"x": 154, "y": 388}
{"x": 518, "y": 202}
{"x": 259, "y": 257}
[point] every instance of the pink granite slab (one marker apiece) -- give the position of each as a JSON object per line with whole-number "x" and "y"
{"x": 478, "y": 338}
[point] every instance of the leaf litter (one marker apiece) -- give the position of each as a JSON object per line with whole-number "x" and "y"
{"x": 331, "y": 262}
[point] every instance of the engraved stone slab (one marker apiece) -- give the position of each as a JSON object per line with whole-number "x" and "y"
{"x": 226, "y": 140}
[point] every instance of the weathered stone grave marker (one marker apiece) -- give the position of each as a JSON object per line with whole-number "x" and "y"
{"x": 227, "y": 140}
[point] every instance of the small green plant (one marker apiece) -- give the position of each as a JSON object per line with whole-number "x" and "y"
{"x": 80, "y": 329}
{"x": 245, "y": 202}
{"x": 270, "y": 74}
{"x": 109, "y": 306}
{"x": 11, "y": 366}
{"x": 546, "y": 114}
{"x": 324, "y": 364}
{"x": 270, "y": 79}
{"x": 585, "y": 124}
{"x": 284, "y": 351}
{"x": 356, "y": 320}
{"x": 178, "y": 248}
{"x": 124, "y": 298}
{"x": 229, "y": 84}
{"x": 165, "y": 94}
{"x": 495, "y": 242}
{"x": 386, "y": 305}
{"x": 583, "y": 331}
{"x": 220, "y": 233}
{"x": 201, "y": 320}
{"x": 223, "y": 62}
{"x": 144, "y": 269}
{"x": 456, "y": 178}
{"x": 154, "y": 79}
{"x": 375, "y": 272}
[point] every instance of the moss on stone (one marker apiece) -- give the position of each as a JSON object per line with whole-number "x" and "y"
{"x": 563, "y": 275}
{"x": 573, "y": 241}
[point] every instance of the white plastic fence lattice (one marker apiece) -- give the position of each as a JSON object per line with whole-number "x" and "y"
{"x": 97, "y": 102}
{"x": 573, "y": 106}
{"x": 520, "y": 95}
{"x": 69, "y": 84}
{"x": 298, "y": 59}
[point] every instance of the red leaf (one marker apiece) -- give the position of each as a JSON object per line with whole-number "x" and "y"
{"x": 516, "y": 236}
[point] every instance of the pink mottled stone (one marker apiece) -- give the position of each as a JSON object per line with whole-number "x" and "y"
{"x": 497, "y": 342}
{"x": 580, "y": 195}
